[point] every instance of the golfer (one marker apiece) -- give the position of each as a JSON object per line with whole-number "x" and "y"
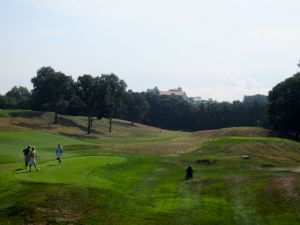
{"x": 26, "y": 155}
{"x": 59, "y": 152}
{"x": 32, "y": 159}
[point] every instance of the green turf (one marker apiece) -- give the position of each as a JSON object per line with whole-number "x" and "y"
{"x": 18, "y": 112}
{"x": 103, "y": 181}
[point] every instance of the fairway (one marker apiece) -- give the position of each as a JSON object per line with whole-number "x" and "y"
{"x": 136, "y": 176}
{"x": 82, "y": 170}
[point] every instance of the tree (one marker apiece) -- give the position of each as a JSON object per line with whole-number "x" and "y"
{"x": 153, "y": 91}
{"x": 137, "y": 106}
{"x": 76, "y": 106}
{"x": 20, "y": 96}
{"x": 86, "y": 87}
{"x": 263, "y": 99}
{"x": 114, "y": 89}
{"x": 2, "y": 102}
{"x": 284, "y": 106}
{"x": 50, "y": 90}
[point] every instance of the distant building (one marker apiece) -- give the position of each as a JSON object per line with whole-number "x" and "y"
{"x": 175, "y": 92}
{"x": 196, "y": 100}
{"x": 199, "y": 100}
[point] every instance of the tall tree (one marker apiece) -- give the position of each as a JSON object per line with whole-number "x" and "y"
{"x": 284, "y": 107}
{"x": 137, "y": 106}
{"x": 50, "y": 90}
{"x": 2, "y": 102}
{"x": 114, "y": 92}
{"x": 86, "y": 91}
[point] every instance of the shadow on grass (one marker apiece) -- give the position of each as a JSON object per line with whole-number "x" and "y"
{"x": 52, "y": 165}
{"x": 24, "y": 171}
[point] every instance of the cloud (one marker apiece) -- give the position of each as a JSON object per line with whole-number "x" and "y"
{"x": 243, "y": 87}
{"x": 236, "y": 89}
{"x": 245, "y": 84}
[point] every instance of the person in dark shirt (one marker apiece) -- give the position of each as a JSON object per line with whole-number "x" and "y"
{"x": 189, "y": 172}
{"x": 26, "y": 155}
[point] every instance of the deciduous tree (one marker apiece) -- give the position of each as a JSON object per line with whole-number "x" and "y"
{"x": 50, "y": 90}
{"x": 284, "y": 107}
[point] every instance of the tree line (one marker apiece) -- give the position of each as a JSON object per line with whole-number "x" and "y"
{"x": 172, "y": 112}
{"x": 93, "y": 97}
{"x": 106, "y": 96}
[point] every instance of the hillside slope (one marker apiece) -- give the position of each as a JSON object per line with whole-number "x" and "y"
{"x": 135, "y": 175}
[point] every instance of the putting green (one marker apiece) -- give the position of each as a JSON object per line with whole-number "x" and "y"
{"x": 77, "y": 170}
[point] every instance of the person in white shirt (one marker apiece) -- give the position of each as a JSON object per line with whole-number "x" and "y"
{"x": 59, "y": 152}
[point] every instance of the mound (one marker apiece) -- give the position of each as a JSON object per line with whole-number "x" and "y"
{"x": 76, "y": 126}
{"x": 235, "y": 132}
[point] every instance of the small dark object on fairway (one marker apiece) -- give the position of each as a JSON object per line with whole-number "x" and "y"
{"x": 268, "y": 166}
{"x": 189, "y": 172}
{"x": 108, "y": 164}
{"x": 206, "y": 161}
{"x": 245, "y": 157}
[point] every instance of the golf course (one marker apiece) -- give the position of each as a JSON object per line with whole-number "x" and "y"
{"x": 136, "y": 174}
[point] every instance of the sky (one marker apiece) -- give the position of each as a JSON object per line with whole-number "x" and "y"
{"x": 213, "y": 49}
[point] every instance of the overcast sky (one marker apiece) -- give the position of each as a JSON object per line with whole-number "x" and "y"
{"x": 214, "y": 48}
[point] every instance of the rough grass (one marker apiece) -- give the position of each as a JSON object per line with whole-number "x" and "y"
{"x": 235, "y": 131}
{"x": 135, "y": 175}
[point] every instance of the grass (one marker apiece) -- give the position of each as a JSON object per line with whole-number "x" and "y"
{"x": 136, "y": 176}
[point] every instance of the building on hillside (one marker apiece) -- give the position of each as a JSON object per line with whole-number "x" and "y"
{"x": 175, "y": 92}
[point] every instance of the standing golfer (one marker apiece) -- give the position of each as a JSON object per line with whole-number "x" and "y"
{"x": 59, "y": 152}
{"x": 26, "y": 155}
{"x": 32, "y": 159}
{"x": 189, "y": 172}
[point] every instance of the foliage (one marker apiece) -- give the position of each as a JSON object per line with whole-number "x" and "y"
{"x": 99, "y": 96}
{"x": 173, "y": 113}
{"x": 136, "y": 106}
{"x": 260, "y": 99}
{"x": 90, "y": 96}
{"x": 284, "y": 107}
{"x": 16, "y": 98}
{"x": 114, "y": 91}
{"x": 51, "y": 90}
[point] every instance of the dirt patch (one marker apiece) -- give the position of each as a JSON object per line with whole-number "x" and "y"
{"x": 7, "y": 125}
{"x": 236, "y": 180}
{"x": 284, "y": 185}
{"x": 297, "y": 170}
{"x": 70, "y": 123}
{"x": 123, "y": 123}
{"x": 59, "y": 215}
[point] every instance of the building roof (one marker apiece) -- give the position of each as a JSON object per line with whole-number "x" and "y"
{"x": 176, "y": 92}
